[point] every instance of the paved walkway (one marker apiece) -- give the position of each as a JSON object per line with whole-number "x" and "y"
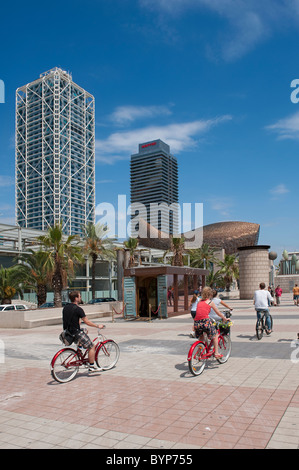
{"x": 150, "y": 400}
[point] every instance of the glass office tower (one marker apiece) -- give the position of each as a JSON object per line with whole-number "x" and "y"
{"x": 154, "y": 183}
{"x": 55, "y": 153}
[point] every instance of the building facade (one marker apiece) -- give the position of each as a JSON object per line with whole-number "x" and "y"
{"x": 288, "y": 271}
{"x": 154, "y": 184}
{"x": 15, "y": 241}
{"x": 55, "y": 153}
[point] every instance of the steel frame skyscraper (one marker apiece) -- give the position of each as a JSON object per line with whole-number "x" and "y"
{"x": 154, "y": 183}
{"x": 55, "y": 153}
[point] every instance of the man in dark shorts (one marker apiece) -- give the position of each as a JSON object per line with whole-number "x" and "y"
{"x": 72, "y": 314}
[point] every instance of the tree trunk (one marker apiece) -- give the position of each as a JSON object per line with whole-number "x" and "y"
{"x": 57, "y": 298}
{"x": 57, "y": 285}
{"x": 41, "y": 294}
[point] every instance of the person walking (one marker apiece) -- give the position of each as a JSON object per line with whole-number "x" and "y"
{"x": 296, "y": 294}
{"x": 278, "y": 292}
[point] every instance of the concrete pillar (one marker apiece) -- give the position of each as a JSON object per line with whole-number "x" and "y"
{"x": 254, "y": 268}
{"x": 120, "y": 273}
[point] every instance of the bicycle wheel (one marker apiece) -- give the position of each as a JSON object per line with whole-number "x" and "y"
{"x": 224, "y": 348}
{"x": 259, "y": 329}
{"x": 65, "y": 365}
{"x": 107, "y": 355}
{"x": 197, "y": 362}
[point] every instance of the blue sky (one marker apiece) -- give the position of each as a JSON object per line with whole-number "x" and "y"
{"x": 212, "y": 78}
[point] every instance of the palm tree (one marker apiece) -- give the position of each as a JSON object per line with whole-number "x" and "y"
{"x": 215, "y": 279}
{"x": 131, "y": 245}
{"x": 63, "y": 254}
{"x": 10, "y": 283}
{"x": 37, "y": 273}
{"x": 229, "y": 268}
{"x": 97, "y": 247}
{"x": 202, "y": 257}
{"x": 177, "y": 246}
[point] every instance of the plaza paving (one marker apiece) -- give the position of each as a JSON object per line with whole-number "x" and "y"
{"x": 150, "y": 400}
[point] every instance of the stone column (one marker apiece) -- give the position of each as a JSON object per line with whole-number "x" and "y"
{"x": 254, "y": 267}
{"x": 120, "y": 273}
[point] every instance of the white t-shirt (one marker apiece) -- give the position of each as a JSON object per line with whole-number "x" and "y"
{"x": 262, "y": 298}
{"x": 194, "y": 305}
{"x": 213, "y": 315}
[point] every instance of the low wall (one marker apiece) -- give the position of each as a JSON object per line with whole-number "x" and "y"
{"x": 53, "y": 316}
{"x": 286, "y": 282}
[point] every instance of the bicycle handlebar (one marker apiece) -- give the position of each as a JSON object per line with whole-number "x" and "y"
{"x": 227, "y": 313}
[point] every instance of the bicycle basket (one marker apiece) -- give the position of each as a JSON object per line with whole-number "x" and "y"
{"x": 224, "y": 327}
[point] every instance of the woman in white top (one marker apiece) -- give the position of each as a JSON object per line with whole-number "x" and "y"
{"x": 193, "y": 304}
{"x": 213, "y": 315}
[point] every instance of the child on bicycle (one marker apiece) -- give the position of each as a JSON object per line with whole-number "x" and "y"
{"x": 217, "y": 301}
{"x": 202, "y": 322}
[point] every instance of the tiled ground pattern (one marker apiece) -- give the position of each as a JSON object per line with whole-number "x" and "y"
{"x": 150, "y": 400}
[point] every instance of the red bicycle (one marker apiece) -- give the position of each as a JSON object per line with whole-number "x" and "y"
{"x": 66, "y": 362}
{"x": 203, "y": 349}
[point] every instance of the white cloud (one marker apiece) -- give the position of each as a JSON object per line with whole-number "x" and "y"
{"x": 247, "y": 23}
{"x": 279, "y": 189}
{"x": 222, "y": 205}
{"x": 286, "y": 128}
{"x": 6, "y": 181}
{"x": 6, "y": 211}
{"x": 179, "y": 136}
{"x": 127, "y": 114}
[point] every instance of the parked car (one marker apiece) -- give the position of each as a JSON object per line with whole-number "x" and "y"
{"x": 6, "y": 307}
{"x": 51, "y": 304}
{"x": 102, "y": 299}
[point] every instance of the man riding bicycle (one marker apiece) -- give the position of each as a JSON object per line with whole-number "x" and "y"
{"x": 262, "y": 300}
{"x": 72, "y": 315}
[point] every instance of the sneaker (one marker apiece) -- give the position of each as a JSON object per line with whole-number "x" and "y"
{"x": 93, "y": 368}
{"x": 192, "y": 334}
